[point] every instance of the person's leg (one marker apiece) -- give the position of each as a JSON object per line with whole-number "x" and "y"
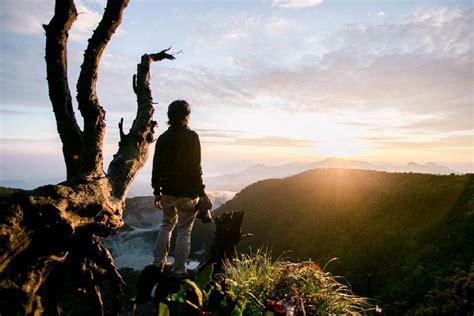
{"x": 162, "y": 246}
{"x": 186, "y": 217}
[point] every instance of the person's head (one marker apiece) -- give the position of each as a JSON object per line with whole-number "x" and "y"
{"x": 178, "y": 112}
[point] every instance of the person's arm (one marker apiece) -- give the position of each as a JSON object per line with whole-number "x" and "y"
{"x": 207, "y": 204}
{"x": 156, "y": 176}
{"x": 198, "y": 167}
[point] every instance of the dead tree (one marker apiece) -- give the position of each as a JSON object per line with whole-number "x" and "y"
{"x": 228, "y": 234}
{"x": 57, "y": 225}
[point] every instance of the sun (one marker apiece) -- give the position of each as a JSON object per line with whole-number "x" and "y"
{"x": 342, "y": 148}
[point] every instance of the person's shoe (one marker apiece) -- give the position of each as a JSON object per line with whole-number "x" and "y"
{"x": 147, "y": 279}
{"x": 175, "y": 280}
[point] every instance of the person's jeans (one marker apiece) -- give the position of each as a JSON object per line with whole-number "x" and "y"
{"x": 182, "y": 210}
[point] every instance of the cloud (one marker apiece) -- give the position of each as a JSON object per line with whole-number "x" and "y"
{"x": 296, "y": 4}
{"x": 415, "y": 64}
{"x": 273, "y": 142}
{"x": 242, "y": 30}
{"x": 203, "y": 86}
{"x": 407, "y": 82}
{"x": 437, "y": 16}
{"x": 87, "y": 21}
{"x": 22, "y": 80}
{"x": 222, "y": 27}
{"x": 416, "y": 83}
{"x": 441, "y": 142}
{"x": 369, "y": 67}
{"x": 437, "y": 32}
{"x": 208, "y": 134}
{"x": 235, "y": 36}
{"x": 459, "y": 121}
{"x": 12, "y": 112}
{"x": 236, "y": 138}
{"x": 19, "y": 17}
{"x": 381, "y": 13}
{"x": 277, "y": 26}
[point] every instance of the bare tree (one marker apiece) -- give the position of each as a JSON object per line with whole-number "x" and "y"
{"x": 56, "y": 226}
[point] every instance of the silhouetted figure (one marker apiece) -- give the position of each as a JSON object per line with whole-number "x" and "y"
{"x": 178, "y": 186}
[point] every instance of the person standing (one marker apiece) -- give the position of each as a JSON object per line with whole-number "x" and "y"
{"x": 177, "y": 186}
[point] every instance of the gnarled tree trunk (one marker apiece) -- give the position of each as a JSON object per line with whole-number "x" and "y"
{"x": 58, "y": 225}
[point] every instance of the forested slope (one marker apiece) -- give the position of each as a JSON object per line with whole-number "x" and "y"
{"x": 406, "y": 228}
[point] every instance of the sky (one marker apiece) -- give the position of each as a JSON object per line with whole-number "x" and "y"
{"x": 269, "y": 81}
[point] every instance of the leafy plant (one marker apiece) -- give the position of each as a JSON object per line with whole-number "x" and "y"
{"x": 277, "y": 286}
{"x": 255, "y": 285}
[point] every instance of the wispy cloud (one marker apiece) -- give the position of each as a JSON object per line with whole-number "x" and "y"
{"x": 223, "y": 28}
{"x": 296, "y": 4}
{"x": 209, "y": 134}
{"x": 86, "y": 22}
{"x": 438, "y": 16}
{"x": 274, "y": 142}
{"x": 19, "y": 17}
{"x": 12, "y": 112}
{"x": 414, "y": 66}
{"x": 278, "y": 26}
{"x": 438, "y": 32}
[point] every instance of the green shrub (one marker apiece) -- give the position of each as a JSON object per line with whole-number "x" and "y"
{"x": 255, "y": 285}
{"x": 275, "y": 286}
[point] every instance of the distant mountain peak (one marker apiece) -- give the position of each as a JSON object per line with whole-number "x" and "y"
{"x": 334, "y": 158}
{"x": 237, "y": 181}
{"x": 259, "y": 165}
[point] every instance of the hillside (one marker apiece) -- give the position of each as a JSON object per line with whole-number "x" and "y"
{"x": 237, "y": 181}
{"x": 407, "y": 228}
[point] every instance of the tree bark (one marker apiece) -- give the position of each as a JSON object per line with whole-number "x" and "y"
{"x": 228, "y": 234}
{"x": 57, "y": 32}
{"x": 92, "y": 112}
{"x": 58, "y": 225}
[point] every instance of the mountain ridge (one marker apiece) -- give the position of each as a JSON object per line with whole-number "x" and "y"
{"x": 237, "y": 181}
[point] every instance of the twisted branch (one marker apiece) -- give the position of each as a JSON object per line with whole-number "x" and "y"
{"x": 92, "y": 112}
{"x": 57, "y": 32}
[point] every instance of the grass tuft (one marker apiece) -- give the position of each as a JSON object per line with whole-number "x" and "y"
{"x": 278, "y": 286}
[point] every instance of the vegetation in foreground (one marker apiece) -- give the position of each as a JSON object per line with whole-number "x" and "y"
{"x": 278, "y": 285}
{"x": 254, "y": 285}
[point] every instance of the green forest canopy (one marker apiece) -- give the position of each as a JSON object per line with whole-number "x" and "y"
{"x": 407, "y": 228}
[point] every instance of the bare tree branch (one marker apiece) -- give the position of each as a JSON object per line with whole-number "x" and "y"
{"x": 133, "y": 147}
{"x": 92, "y": 112}
{"x": 57, "y": 32}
